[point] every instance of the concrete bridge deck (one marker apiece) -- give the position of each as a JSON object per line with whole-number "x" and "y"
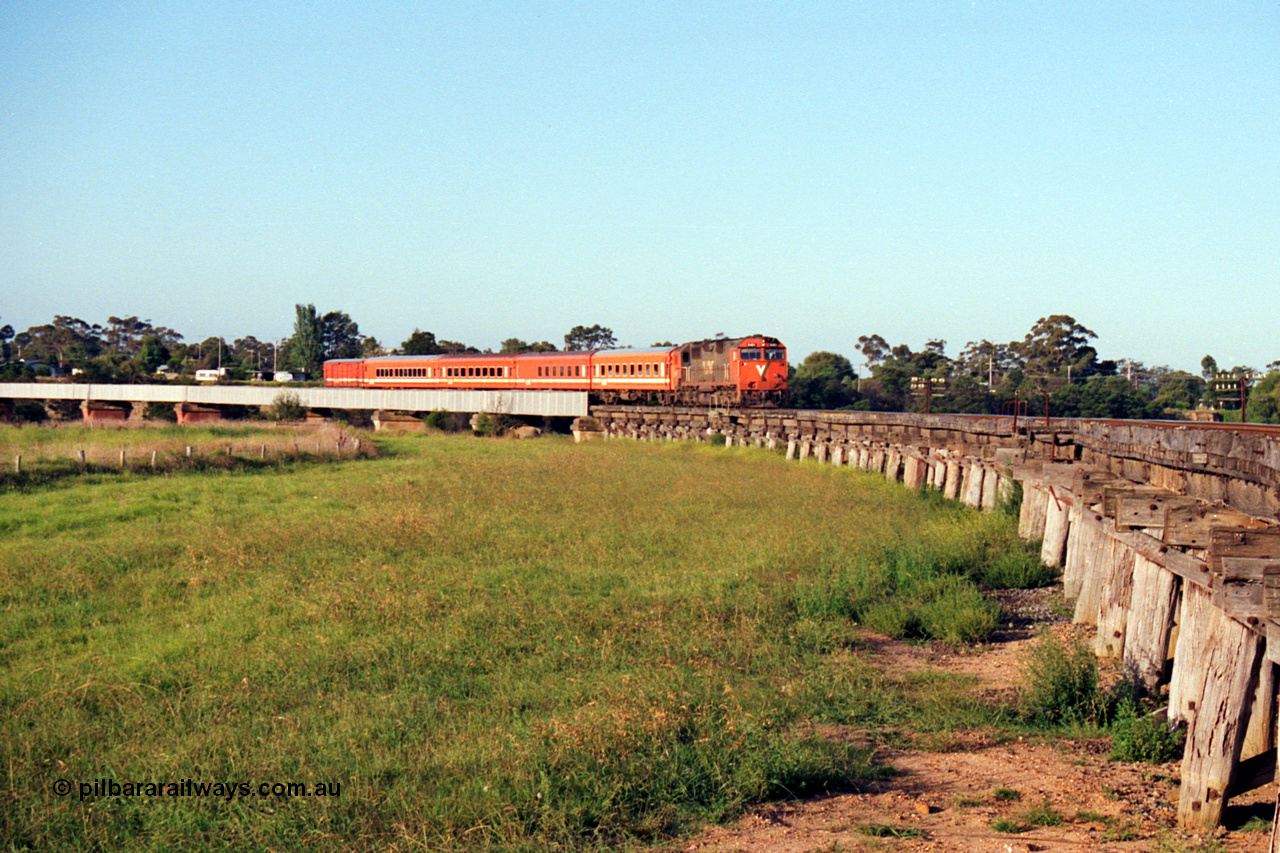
{"x": 530, "y": 403}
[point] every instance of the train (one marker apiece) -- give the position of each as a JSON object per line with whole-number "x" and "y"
{"x": 748, "y": 371}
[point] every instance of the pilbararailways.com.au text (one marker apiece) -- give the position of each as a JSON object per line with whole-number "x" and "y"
{"x": 191, "y": 788}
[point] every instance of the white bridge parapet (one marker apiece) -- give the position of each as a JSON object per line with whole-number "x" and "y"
{"x": 569, "y": 404}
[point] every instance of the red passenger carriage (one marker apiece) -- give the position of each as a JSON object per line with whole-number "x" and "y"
{"x": 723, "y": 371}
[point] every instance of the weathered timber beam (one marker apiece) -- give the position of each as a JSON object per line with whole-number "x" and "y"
{"x": 1189, "y": 526}
{"x": 1252, "y": 774}
{"x": 1146, "y": 511}
{"x": 1216, "y": 668}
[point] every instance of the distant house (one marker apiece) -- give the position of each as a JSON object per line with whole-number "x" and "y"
{"x": 39, "y": 368}
{"x": 211, "y": 374}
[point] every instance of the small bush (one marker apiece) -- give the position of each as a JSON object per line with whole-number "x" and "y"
{"x": 439, "y": 419}
{"x": 493, "y": 423}
{"x": 286, "y": 406}
{"x": 1017, "y": 570}
{"x": 29, "y": 412}
{"x": 1062, "y": 684}
{"x": 1143, "y": 737}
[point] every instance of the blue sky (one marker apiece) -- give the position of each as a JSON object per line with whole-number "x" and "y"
{"x": 811, "y": 170}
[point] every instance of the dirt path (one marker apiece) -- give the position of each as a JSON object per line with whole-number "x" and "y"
{"x": 949, "y": 801}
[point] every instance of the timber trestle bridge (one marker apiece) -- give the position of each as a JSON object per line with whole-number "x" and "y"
{"x": 1167, "y": 534}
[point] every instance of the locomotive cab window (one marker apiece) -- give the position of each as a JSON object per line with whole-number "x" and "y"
{"x": 775, "y": 354}
{"x": 752, "y": 354}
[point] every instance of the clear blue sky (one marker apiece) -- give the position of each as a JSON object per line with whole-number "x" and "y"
{"x": 812, "y": 170}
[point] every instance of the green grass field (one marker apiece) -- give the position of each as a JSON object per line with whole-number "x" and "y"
{"x": 472, "y": 644}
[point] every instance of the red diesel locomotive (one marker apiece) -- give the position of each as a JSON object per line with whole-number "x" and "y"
{"x": 749, "y": 371}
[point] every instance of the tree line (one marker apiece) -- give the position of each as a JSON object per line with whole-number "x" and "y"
{"x": 133, "y": 350}
{"x": 1054, "y": 364}
{"x": 1054, "y": 360}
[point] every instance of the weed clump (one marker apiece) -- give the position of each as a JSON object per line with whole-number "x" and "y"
{"x": 946, "y": 608}
{"x": 931, "y": 588}
{"x": 1144, "y": 737}
{"x": 1062, "y": 684}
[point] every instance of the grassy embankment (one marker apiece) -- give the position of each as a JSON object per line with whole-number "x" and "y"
{"x": 486, "y": 645}
{"x": 39, "y": 456}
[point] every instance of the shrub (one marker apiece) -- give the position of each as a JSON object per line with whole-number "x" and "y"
{"x": 439, "y": 419}
{"x": 1143, "y": 737}
{"x": 493, "y": 423}
{"x": 29, "y": 412}
{"x": 286, "y": 406}
{"x": 1062, "y": 684}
